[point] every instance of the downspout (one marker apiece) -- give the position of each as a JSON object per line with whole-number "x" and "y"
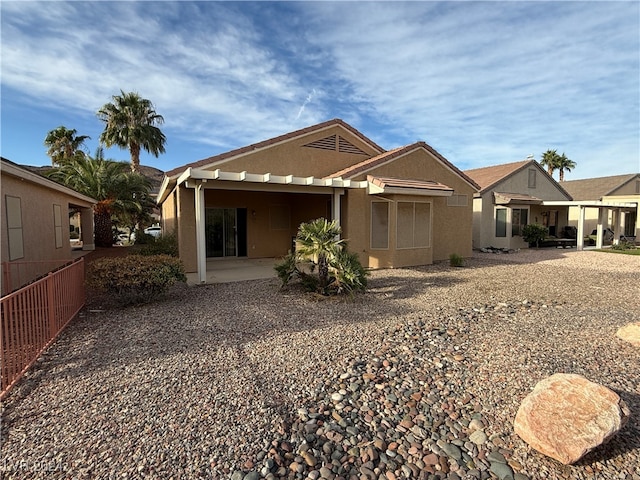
{"x": 200, "y": 233}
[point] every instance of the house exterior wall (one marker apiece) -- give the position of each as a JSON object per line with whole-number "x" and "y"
{"x": 43, "y": 238}
{"x": 293, "y": 156}
{"x": 484, "y": 215}
{"x": 451, "y": 227}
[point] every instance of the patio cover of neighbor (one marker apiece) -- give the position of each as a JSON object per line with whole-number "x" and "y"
{"x": 603, "y": 207}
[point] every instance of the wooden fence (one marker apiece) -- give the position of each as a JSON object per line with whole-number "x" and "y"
{"x": 33, "y": 316}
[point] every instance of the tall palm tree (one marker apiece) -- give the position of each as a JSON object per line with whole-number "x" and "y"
{"x": 550, "y": 159}
{"x": 565, "y": 164}
{"x": 111, "y": 183}
{"x": 130, "y": 122}
{"x": 64, "y": 144}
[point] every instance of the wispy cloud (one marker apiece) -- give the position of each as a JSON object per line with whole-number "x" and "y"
{"x": 483, "y": 82}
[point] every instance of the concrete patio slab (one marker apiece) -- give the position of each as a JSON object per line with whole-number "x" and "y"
{"x": 225, "y": 270}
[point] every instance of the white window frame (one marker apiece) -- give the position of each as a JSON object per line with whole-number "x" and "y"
{"x": 57, "y": 224}
{"x": 413, "y": 246}
{"x": 522, "y": 226}
{"x": 15, "y": 240}
{"x": 387, "y": 203}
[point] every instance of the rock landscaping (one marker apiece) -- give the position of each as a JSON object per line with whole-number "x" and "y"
{"x": 567, "y": 416}
{"x": 421, "y": 377}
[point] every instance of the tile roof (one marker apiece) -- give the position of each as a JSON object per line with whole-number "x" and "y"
{"x": 487, "y": 177}
{"x": 272, "y": 141}
{"x": 386, "y": 157}
{"x": 505, "y": 198}
{"x": 383, "y": 182}
{"x": 596, "y": 188}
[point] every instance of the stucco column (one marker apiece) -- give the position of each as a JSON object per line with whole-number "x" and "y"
{"x": 86, "y": 229}
{"x": 201, "y": 252}
{"x": 335, "y": 205}
{"x": 602, "y": 218}
{"x": 580, "y": 234}
{"x": 617, "y": 217}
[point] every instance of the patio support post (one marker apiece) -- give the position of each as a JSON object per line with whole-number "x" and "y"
{"x": 580, "y": 234}
{"x": 200, "y": 234}
{"x": 335, "y": 205}
{"x": 617, "y": 216}
{"x": 602, "y": 214}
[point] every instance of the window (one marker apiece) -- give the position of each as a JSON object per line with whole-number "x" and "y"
{"x": 57, "y": 224}
{"x": 637, "y": 186}
{"x": 414, "y": 225}
{"x": 532, "y": 178}
{"x": 279, "y": 217}
{"x": 501, "y": 222}
{"x": 14, "y": 227}
{"x": 457, "y": 201}
{"x": 380, "y": 225}
{"x": 519, "y": 218}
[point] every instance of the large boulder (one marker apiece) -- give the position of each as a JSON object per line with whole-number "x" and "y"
{"x": 630, "y": 333}
{"x": 567, "y": 416}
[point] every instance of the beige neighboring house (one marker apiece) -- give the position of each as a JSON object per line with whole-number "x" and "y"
{"x": 613, "y": 190}
{"x": 511, "y": 196}
{"x": 35, "y": 223}
{"x": 407, "y": 206}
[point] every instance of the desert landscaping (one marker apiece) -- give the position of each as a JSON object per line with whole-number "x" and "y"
{"x": 420, "y": 377}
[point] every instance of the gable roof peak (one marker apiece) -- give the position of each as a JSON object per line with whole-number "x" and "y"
{"x": 273, "y": 141}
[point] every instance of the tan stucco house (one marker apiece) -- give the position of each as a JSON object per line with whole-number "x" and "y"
{"x": 35, "y": 222}
{"x": 511, "y": 196}
{"x": 615, "y": 191}
{"x": 407, "y": 206}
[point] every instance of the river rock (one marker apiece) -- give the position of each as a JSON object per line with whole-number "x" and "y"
{"x": 567, "y": 416}
{"x": 630, "y": 333}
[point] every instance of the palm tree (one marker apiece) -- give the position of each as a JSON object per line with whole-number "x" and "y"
{"x": 564, "y": 164}
{"x": 319, "y": 239}
{"x": 111, "y": 183}
{"x": 64, "y": 144}
{"x": 130, "y": 122}
{"x": 550, "y": 159}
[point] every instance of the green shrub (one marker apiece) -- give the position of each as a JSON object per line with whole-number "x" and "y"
{"x": 136, "y": 278}
{"x": 624, "y": 245}
{"x": 456, "y": 260}
{"x": 534, "y": 233}
{"x": 350, "y": 275}
{"x": 320, "y": 250}
{"x": 163, "y": 245}
{"x": 143, "y": 238}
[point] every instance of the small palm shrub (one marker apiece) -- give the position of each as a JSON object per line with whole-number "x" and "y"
{"x": 456, "y": 260}
{"x": 534, "y": 233}
{"x": 331, "y": 268}
{"x": 136, "y": 278}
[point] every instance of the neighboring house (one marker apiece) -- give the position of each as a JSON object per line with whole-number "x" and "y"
{"x": 611, "y": 190}
{"x": 35, "y": 222}
{"x": 511, "y": 196}
{"x": 408, "y": 206}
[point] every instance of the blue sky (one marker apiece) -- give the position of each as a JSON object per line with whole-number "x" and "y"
{"x": 484, "y": 83}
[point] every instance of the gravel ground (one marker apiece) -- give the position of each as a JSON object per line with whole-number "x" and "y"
{"x": 421, "y": 377}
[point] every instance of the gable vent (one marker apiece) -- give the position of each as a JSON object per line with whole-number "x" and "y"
{"x": 327, "y": 143}
{"x": 343, "y": 146}
{"x": 346, "y": 147}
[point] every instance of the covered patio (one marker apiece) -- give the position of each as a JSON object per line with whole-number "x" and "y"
{"x": 618, "y": 208}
